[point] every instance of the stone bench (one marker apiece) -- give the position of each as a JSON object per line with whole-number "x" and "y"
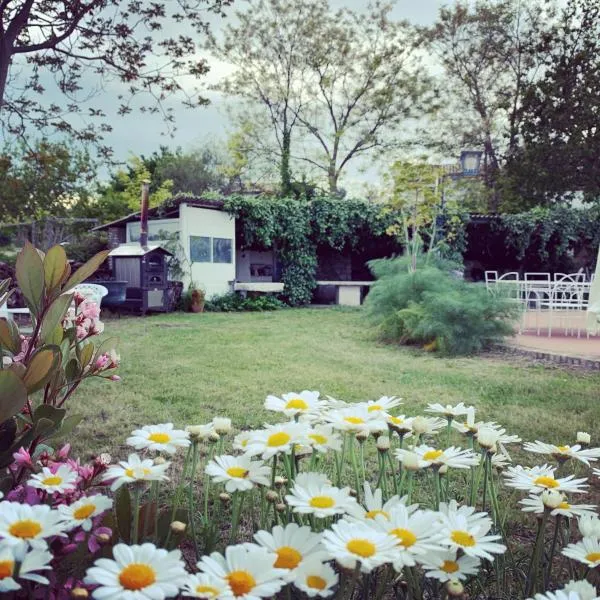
{"x": 347, "y": 293}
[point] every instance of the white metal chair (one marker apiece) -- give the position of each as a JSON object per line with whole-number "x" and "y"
{"x": 92, "y": 291}
{"x": 567, "y": 302}
{"x": 491, "y": 277}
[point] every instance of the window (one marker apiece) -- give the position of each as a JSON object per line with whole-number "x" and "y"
{"x": 200, "y": 249}
{"x": 221, "y": 250}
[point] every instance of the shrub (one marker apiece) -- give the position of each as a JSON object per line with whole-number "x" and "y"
{"x": 434, "y": 308}
{"x": 235, "y": 302}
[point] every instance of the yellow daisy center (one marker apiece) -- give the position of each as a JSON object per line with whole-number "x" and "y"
{"x": 280, "y": 438}
{"x": 83, "y": 512}
{"x": 244, "y": 443}
{"x": 593, "y": 557}
{"x": 207, "y": 590}
{"x": 396, "y": 420}
{"x": 238, "y": 472}
{"x": 463, "y": 538}
{"x": 296, "y": 404}
{"x": 375, "y": 407}
{"x": 7, "y": 568}
{"x": 449, "y": 566}
{"x": 371, "y": 514}
{"x": 316, "y": 582}
{"x": 407, "y": 538}
{"x": 563, "y": 448}
{"x": 129, "y": 472}
{"x": 137, "y": 576}
{"x": 159, "y": 437}
{"x": 546, "y": 481}
{"x": 564, "y": 505}
{"x": 287, "y": 558}
{"x": 317, "y": 438}
{"x": 25, "y": 529}
{"x": 52, "y": 480}
{"x": 240, "y": 582}
{"x": 361, "y": 547}
{"x": 354, "y": 420}
{"x": 432, "y": 454}
{"x": 322, "y": 502}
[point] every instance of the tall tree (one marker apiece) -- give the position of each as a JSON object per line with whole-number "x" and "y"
{"x": 490, "y": 53}
{"x": 561, "y": 113}
{"x": 342, "y": 83}
{"x": 146, "y": 46}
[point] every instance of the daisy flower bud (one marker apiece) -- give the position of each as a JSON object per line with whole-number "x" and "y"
{"x": 455, "y": 588}
{"x": 584, "y": 438}
{"x": 420, "y": 425}
{"x": 303, "y": 451}
{"x": 410, "y": 461}
{"x": 103, "y": 538}
{"x": 79, "y": 592}
{"x": 362, "y": 436}
{"x": 177, "y": 527}
{"x": 443, "y": 470}
{"x": 224, "y": 497}
{"x": 159, "y": 460}
{"x": 353, "y": 493}
{"x": 214, "y": 437}
{"x": 280, "y": 507}
{"x": 272, "y": 496}
{"x": 222, "y": 425}
{"x": 383, "y": 443}
{"x": 280, "y": 481}
{"x": 552, "y": 499}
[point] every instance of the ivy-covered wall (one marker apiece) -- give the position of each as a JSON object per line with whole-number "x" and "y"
{"x": 297, "y": 228}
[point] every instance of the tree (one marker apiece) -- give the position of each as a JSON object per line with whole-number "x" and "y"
{"x": 489, "y": 52}
{"x": 561, "y": 113}
{"x": 48, "y": 179}
{"x": 76, "y": 42}
{"x": 342, "y": 83}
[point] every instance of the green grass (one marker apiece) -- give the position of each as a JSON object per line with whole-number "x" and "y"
{"x": 189, "y": 368}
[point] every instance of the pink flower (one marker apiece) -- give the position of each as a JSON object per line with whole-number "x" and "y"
{"x": 90, "y": 310}
{"x": 115, "y": 378}
{"x": 23, "y": 458}
{"x": 98, "y": 538}
{"x": 103, "y": 361}
{"x": 64, "y": 451}
{"x": 82, "y": 332}
{"x": 78, "y": 298}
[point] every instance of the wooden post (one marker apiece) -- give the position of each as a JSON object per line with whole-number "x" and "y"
{"x": 144, "y": 214}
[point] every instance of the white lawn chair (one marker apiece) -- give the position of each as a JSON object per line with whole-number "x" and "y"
{"x": 566, "y": 303}
{"x": 92, "y": 291}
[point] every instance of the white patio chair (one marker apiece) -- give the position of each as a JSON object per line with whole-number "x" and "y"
{"x": 92, "y": 291}
{"x": 491, "y": 277}
{"x": 566, "y": 303}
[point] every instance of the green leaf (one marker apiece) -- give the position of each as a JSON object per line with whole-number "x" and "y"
{"x": 123, "y": 513}
{"x": 9, "y": 336}
{"x": 67, "y": 427}
{"x": 86, "y": 353}
{"x": 72, "y": 370}
{"x": 8, "y": 433}
{"x": 86, "y": 270}
{"x": 41, "y": 367}
{"x": 55, "y": 262}
{"x": 51, "y": 413}
{"x": 54, "y": 316}
{"x": 13, "y": 395}
{"x": 30, "y": 277}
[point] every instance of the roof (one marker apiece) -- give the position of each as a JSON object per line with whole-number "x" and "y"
{"x": 136, "y": 250}
{"x": 164, "y": 212}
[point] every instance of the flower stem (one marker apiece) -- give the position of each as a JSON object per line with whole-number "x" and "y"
{"x": 137, "y": 491}
{"x": 532, "y": 572}
{"x": 355, "y": 469}
{"x": 192, "y": 512}
{"x": 436, "y": 482}
{"x": 557, "y": 523}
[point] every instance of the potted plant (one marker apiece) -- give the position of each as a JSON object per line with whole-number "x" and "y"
{"x": 198, "y": 298}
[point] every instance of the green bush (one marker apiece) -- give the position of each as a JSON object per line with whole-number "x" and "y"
{"x": 432, "y": 307}
{"x": 233, "y": 302}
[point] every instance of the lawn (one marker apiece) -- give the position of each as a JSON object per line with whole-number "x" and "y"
{"x": 189, "y": 368}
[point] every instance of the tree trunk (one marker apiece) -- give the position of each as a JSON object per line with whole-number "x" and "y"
{"x": 286, "y": 176}
{"x": 5, "y": 60}
{"x": 332, "y": 178}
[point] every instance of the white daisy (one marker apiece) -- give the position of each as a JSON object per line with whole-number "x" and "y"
{"x": 206, "y": 586}
{"x": 200, "y": 432}
{"x": 276, "y": 439}
{"x": 537, "y": 504}
{"x": 500, "y": 461}
{"x": 449, "y": 411}
{"x": 384, "y": 404}
{"x": 315, "y": 578}
{"x": 292, "y": 545}
{"x": 348, "y": 542}
{"x": 596, "y": 472}
{"x": 538, "y": 479}
{"x": 468, "y": 426}
{"x": 374, "y": 505}
{"x": 560, "y": 595}
{"x": 241, "y": 440}
{"x": 562, "y": 453}
{"x": 22, "y": 525}
{"x": 222, "y": 425}
{"x": 589, "y": 526}
{"x": 586, "y": 551}
{"x": 355, "y": 418}
{"x": 322, "y": 438}
{"x": 81, "y": 513}
{"x": 313, "y": 494}
{"x": 401, "y": 424}
{"x": 247, "y": 569}
{"x": 584, "y": 589}
{"x": 161, "y": 438}
{"x": 445, "y": 566}
{"x": 239, "y": 473}
{"x": 416, "y": 534}
{"x": 452, "y": 457}
{"x": 293, "y": 403}
{"x": 463, "y": 529}
{"x": 59, "y": 481}
{"x": 427, "y": 425}
{"x": 490, "y": 436}
{"x": 137, "y": 573}
{"x": 135, "y": 469}
{"x": 11, "y": 564}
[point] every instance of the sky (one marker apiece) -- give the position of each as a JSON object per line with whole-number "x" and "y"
{"x": 144, "y": 133}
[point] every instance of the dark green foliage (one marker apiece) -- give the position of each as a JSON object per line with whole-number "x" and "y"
{"x": 235, "y": 302}
{"x": 435, "y": 308}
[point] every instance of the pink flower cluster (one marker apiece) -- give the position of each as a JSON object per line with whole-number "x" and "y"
{"x": 85, "y": 318}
